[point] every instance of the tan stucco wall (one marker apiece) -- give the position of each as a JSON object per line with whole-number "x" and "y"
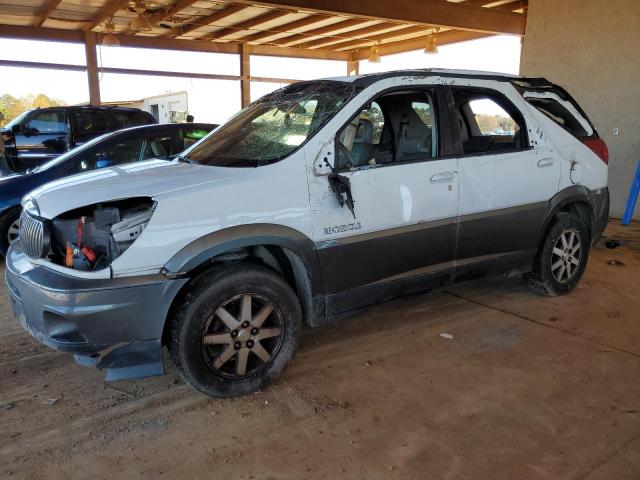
{"x": 592, "y": 48}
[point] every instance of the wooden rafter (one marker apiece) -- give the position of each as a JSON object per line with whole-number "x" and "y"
{"x": 183, "y": 30}
{"x": 442, "y": 38}
{"x": 105, "y": 13}
{"x": 428, "y": 12}
{"x": 164, "y": 43}
{"x": 247, "y": 25}
{"x": 353, "y": 34}
{"x": 47, "y": 9}
{"x": 288, "y": 28}
{"x": 334, "y": 28}
{"x": 378, "y": 39}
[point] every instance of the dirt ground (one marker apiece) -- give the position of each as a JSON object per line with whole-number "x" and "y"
{"x": 527, "y": 388}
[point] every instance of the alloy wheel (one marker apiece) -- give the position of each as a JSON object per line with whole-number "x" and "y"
{"x": 242, "y": 336}
{"x": 565, "y": 256}
{"x": 14, "y": 231}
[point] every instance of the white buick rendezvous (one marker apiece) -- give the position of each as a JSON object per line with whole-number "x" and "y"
{"x": 320, "y": 198}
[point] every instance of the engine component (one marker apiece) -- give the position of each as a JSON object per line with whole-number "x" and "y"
{"x": 93, "y": 237}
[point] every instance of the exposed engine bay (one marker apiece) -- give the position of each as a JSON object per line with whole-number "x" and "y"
{"x": 92, "y": 237}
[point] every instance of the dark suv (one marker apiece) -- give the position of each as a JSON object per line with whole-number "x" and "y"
{"x": 42, "y": 134}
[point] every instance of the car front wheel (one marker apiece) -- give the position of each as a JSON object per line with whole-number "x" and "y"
{"x": 9, "y": 230}
{"x": 236, "y": 330}
{"x": 562, "y": 258}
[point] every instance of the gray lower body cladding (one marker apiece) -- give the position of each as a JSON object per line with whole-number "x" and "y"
{"x": 113, "y": 324}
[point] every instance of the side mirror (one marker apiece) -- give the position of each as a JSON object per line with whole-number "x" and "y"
{"x": 17, "y": 128}
{"x": 325, "y": 160}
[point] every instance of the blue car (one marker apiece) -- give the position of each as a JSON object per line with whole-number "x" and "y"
{"x": 124, "y": 146}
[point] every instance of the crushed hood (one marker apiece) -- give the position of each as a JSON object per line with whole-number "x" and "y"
{"x": 144, "y": 179}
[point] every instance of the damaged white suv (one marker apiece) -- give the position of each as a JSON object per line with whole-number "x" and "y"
{"x": 320, "y": 198}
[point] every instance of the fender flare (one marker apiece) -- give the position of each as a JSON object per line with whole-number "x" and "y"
{"x": 567, "y": 196}
{"x": 300, "y": 250}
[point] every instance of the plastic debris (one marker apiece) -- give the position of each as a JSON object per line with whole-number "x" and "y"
{"x": 448, "y": 336}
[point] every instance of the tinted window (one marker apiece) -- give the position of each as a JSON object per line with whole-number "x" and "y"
{"x": 49, "y": 121}
{"x": 90, "y": 123}
{"x": 160, "y": 146}
{"x": 108, "y": 155}
{"x": 275, "y": 126}
{"x": 133, "y": 118}
{"x": 193, "y": 135}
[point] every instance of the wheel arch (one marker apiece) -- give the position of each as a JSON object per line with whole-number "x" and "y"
{"x": 575, "y": 200}
{"x": 282, "y": 249}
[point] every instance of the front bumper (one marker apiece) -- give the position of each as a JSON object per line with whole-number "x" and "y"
{"x": 113, "y": 324}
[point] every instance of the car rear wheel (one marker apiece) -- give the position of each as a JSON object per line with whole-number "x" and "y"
{"x": 562, "y": 258}
{"x": 236, "y": 330}
{"x": 9, "y": 230}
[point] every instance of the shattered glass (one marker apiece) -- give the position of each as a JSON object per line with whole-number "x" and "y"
{"x": 275, "y": 126}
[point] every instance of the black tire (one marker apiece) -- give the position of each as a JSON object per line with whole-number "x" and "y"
{"x": 197, "y": 320}
{"x": 5, "y": 223}
{"x": 555, "y": 273}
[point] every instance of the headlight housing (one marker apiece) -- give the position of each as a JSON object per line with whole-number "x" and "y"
{"x": 30, "y": 206}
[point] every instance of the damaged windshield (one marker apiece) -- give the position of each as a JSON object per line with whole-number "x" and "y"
{"x": 273, "y": 127}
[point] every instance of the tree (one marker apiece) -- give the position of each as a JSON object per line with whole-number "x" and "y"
{"x": 11, "y": 107}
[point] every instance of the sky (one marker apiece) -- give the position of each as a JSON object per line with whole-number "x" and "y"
{"x": 217, "y": 100}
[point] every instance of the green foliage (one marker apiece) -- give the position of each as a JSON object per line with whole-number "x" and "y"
{"x": 11, "y": 107}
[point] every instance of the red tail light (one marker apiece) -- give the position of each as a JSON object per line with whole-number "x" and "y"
{"x": 598, "y": 147}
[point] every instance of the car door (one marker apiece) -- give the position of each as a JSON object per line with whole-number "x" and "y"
{"x": 507, "y": 176}
{"x": 399, "y": 233}
{"x": 43, "y": 135}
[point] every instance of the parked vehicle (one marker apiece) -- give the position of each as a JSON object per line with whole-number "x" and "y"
{"x": 319, "y": 198}
{"x": 45, "y": 133}
{"x": 130, "y": 145}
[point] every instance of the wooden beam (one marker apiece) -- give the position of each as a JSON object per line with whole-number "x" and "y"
{"x": 352, "y": 35}
{"x": 332, "y": 29}
{"x": 428, "y": 12}
{"x": 92, "y": 68}
{"x": 353, "y": 66}
{"x": 183, "y": 30}
{"x": 245, "y": 75}
{"x": 135, "y": 71}
{"x": 378, "y": 39}
{"x": 252, "y": 23}
{"x": 48, "y": 7}
{"x": 288, "y": 28}
{"x": 442, "y": 38}
{"x": 106, "y": 12}
{"x": 163, "y": 43}
{"x": 271, "y": 51}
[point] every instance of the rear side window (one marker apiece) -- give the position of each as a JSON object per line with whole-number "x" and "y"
{"x": 49, "y": 121}
{"x": 134, "y": 118}
{"x": 559, "y": 114}
{"x": 90, "y": 124}
{"x": 487, "y": 122}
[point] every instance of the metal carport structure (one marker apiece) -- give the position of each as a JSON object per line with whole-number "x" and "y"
{"x": 312, "y": 29}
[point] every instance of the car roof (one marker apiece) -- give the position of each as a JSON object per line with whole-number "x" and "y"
{"x": 368, "y": 79}
{"x": 164, "y": 126}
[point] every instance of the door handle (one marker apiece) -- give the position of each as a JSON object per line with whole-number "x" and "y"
{"x": 545, "y": 162}
{"x": 443, "y": 177}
